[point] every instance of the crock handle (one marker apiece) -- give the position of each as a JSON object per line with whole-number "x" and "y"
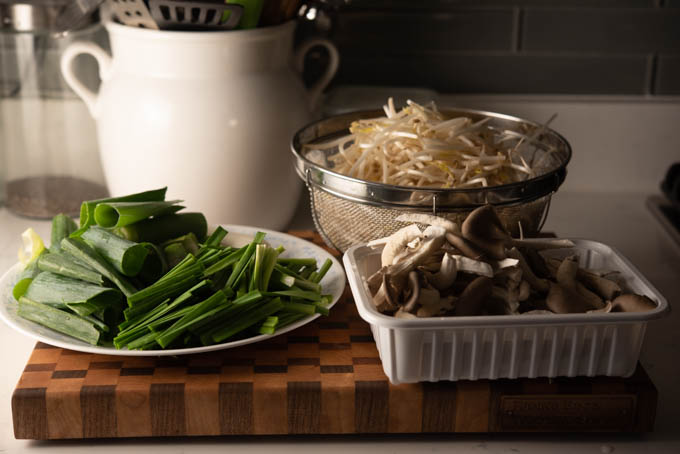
{"x": 103, "y": 60}
{"x": 314, "y": 92}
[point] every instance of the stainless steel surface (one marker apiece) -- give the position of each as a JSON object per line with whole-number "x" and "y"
{"x": 53, "y": 16}
{"x": 348, "y": 210}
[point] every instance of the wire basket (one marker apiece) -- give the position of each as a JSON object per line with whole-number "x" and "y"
{"x": 347, "y": 211}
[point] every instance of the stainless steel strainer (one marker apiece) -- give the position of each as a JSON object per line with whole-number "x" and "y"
{"x": 347, "y": 211}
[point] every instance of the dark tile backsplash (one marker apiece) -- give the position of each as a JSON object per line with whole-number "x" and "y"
{"x": 469, "y": 30}
{"x": 668, "y": 75}
{"x": 506, "y": 46}
{"x": 610, "y": 30}
{"x": 502, "y": 73}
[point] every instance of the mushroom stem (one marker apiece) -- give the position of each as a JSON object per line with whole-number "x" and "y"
{"x": 414, "y": 285}
{"x": 542, "y": 285}
{"x": 466, "y": 247}
{"x": 447, "y": 273}
{"x": 540, "y": 244}
{"x": 397, "y": 243}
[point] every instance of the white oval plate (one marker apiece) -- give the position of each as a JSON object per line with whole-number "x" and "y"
{"x": 333, "y": 283}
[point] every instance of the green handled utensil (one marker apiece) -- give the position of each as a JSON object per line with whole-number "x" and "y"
{"x": 252, "y": 9}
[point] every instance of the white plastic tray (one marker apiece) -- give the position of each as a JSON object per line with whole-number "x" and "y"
{"x": 508, "y": 346}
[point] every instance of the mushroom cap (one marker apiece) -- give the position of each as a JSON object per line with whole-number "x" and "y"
{"x": 398, "y": 242}
{"x": 467, "y": 248}
{"x": 484, "y": 228}
{"x": 631, "y": 302}
{"x": 429, "y": 219}
{"x": 471, "y": 301}
{"x": 565, "y": 300}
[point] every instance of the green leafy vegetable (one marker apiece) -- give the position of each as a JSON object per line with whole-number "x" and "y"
{"x": 145, "y": 277}
{"x": 87, "y": 208}
{"x": 120, "y": 214}
{"x": 126, "y": 256}
{"x": 58, "y": 320}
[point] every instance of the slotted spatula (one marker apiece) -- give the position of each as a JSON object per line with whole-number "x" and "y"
{"x": 133, "y": 13}
{"x": 186, "y": 15}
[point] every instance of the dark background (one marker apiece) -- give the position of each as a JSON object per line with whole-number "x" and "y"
{"x": 629, "y": 47}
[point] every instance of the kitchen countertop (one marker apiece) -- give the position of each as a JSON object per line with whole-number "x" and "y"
{"x": 618, "y": 219}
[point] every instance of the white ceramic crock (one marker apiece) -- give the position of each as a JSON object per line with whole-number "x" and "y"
{"x": 208, "y": 114}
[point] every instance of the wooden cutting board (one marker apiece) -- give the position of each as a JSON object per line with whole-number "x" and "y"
{"x": 323, "y": 378}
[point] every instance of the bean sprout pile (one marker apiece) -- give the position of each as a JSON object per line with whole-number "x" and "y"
{"x": 419, "y": 146}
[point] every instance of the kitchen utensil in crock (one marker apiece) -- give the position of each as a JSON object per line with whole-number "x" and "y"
{"x": 76, "y": 13}
{"x": 252, "y": 9}
{"x": 190, "y": 15}
{"x": 134, "y": 13}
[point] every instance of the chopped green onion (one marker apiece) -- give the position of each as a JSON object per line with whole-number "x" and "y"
{"x": 58, "y": 320}
{"x": 126, "y": 256}
{"x": 323, "y": 270}
{"x": 243, "y": 261}
{"x": 163, "y": 228}
{"x": 86, "y": 253}
{"x": 65, "y": 265}
{"x": 53, "y": 288}
{"x": 25, "y": 279}
{"x": 248, "y": 319}
{"x": 120, "y": 214}
{"x": 87, "y": 208}
{"x": 62, "y": 226}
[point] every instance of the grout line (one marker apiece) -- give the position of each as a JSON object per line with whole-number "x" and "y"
{"x": 518, "y": 23}
{"x": 650, "y": 76}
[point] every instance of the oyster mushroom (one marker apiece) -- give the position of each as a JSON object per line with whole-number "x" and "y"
{"x": 433, "y": 304}
{"x": 396, "y": 243}
{"x": 540, "y": 284}
{"x": 446, "y": 276}
{"x": 604, "y": 310}
{"x": 383, "y": 299}
{"x": 605, "y": 288}
{"x": 471, "y": 300}
{"x": 567, "y": 295}
{"x": 486, "y": 231}
{"x": 401, "y": 313}
{"x": 524, "y": 291}
{"x": 509, "y": 299}
{"x": 537, "y": 262}
{"x": 631, "y": 302}
{"x": 471, "y": 266}
{"x": 466, "y": 247}
{"x": 414, "y": 290}
{"x": 429, "y": 219}
{"x": 432, "y": 241}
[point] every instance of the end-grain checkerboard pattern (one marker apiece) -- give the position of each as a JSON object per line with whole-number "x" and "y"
{"x": 323, "y": 378}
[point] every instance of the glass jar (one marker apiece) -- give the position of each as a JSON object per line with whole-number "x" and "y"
{"x": 48, "y": 147}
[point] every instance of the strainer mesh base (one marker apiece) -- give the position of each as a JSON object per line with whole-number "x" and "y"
{"x": 343, "y": 223}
